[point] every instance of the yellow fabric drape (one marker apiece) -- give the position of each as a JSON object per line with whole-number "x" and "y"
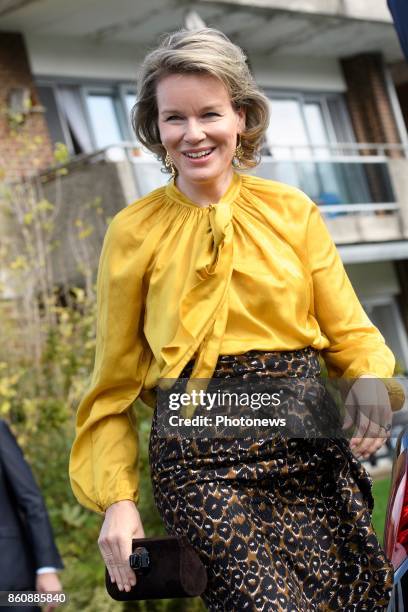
{"x": 257, "y": 270}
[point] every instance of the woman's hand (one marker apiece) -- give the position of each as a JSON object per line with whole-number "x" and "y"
{"x": 368, "y": 410}
{"x": 122, "y": 523}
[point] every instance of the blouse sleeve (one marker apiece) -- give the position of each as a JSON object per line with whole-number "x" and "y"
{"x": 104, "y": 457}
{"x": 356, "y": 346}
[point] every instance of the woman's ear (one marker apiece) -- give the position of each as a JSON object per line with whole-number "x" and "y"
{"x": 241, "y": 113}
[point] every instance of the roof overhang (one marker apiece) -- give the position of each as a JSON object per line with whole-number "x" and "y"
{"x": 316, "y": 28}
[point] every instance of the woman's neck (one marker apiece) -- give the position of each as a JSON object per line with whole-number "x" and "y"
{"x": 205, "y": 193}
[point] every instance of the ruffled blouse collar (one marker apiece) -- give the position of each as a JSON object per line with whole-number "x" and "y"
{"x": 174, "y": 193}
{"x": 201, "y": 328}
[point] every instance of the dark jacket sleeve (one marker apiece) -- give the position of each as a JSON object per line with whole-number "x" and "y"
{"x": 399, "y": 12}
{"x": 29, "y": 501}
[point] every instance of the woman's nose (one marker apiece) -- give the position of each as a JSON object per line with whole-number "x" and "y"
{"x": 194, "y": 131}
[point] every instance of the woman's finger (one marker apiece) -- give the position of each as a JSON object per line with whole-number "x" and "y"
{"x": 121, "y": 564}
{"x": 363, "y": 425}
{"x": 369, "y": 444}
{"x": 379, "y": 443}
{"x": 382, "y": 419}
{"x": 108, "y": 556}
{"x": 125, "y": 548}
{"x": 385, "y": 422}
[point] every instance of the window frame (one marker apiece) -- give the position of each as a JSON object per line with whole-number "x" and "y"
{"x": 322, "y": 98}
{"x": 116, "y": 90}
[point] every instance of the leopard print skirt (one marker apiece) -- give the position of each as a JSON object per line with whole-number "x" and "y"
{"x": 281, "y": 524}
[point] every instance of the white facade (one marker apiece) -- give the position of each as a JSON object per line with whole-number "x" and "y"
{"x": 56, "y": 57}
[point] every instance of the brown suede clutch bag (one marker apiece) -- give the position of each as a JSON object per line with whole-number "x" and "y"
{"x": 165, "y": 568}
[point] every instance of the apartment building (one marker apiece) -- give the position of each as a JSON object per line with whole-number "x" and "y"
{"x": 338, "y": 88}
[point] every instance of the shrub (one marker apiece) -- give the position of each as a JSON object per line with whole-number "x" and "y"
{"x": 45, "y": 359}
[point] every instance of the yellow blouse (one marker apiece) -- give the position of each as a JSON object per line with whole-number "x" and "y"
{"x": 257, "y": 270}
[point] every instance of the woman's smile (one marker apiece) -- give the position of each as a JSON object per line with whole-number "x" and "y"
{"x": 199, "y": 154}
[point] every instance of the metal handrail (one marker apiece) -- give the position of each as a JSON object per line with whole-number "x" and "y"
{"x": 335, "y": 208}
{"x": 338, "y": 159}
{"x": 380, "y": 147}
{"x": 105, "y": 153}
{"x": 129, "y": 146}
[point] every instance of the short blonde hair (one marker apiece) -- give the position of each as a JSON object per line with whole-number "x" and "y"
{"x": 206, "y": 51}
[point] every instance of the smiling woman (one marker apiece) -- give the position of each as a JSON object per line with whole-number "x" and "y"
{"x": 202, "y": 56}
{"x": 198, "y": 127}
{"x": 223, "y": 275}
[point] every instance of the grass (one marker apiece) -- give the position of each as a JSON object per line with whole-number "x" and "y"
{"x": 380, "y": 493}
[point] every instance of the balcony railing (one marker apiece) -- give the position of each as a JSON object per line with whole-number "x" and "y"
{"x": 352, "y": 183}
{"x": 337, "y": 176}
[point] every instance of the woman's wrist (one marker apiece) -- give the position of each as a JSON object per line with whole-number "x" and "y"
{"x": 122, "y": 503}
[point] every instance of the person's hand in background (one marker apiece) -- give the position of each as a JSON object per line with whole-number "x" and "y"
{"x": 48, "y": 582}
{"x": 122, "y": 524}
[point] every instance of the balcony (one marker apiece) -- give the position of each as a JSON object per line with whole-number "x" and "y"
{"x": 360, "y": 188}
{"x": 362, "y": 191}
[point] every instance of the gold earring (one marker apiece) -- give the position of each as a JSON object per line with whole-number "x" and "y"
{"x": 238, "y": 153}
{"x": 169, "y": 165}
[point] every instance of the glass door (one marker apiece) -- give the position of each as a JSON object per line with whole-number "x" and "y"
{"x": 300, "y": 138}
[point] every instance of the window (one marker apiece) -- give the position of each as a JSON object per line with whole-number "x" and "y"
{"x": 286, "y": 128}
{"x": 52, "y": 115}
{"x": 306, "y": 123}
{"x": 301, "y": 138}
{"x": 87, "y": 117}
{"x": 104, "y": 121}
{"x": 130, "y": 99}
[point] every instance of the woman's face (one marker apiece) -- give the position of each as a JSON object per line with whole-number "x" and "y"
{"x": 198, "y": 126}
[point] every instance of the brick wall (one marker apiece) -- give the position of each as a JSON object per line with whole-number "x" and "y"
{"x": 370, "y": 110}
{"x": 368, "y": 101}
{"x": 27, "y": 148}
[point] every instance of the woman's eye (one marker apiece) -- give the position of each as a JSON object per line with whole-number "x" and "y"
{"x": 172, "y": 117}
{"x": 211, "y": 114}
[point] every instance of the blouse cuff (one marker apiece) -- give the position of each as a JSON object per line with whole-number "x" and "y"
{"x": 121, "y": 494}
{"x": 396, "y": 391}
